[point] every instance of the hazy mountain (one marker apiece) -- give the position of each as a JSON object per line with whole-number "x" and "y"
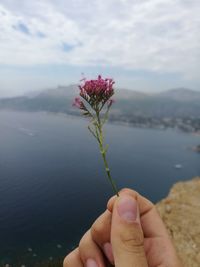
{"x": 61, "y": 91}
{"x": 129, "y": 94}
{"x": 71, "y": 91}
{"x": 181, "y": 94}
{"x": 179, "y": 102}
{"x": 178, "y": 94}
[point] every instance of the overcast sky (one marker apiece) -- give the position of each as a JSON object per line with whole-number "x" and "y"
{"x": 148, "y": 45}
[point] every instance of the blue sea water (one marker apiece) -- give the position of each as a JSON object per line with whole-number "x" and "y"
{"x": 53, "y": 184}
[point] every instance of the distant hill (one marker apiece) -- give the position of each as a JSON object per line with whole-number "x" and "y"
{"x": 60, "y": 92}
{"x": 181, "y": 94}
{"x": 176, "y": 103}
{"x": 129, "y": 94}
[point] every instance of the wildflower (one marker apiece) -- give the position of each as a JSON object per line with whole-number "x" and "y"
{"x": 96, "y": 104}
{"x": 78, "y": 103}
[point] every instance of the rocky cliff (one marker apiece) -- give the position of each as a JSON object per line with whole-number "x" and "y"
{"x": 180, "y": 211}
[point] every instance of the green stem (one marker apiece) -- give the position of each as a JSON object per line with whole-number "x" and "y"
{"x": 108, "y": 172}
{"x": 103, "y": 153}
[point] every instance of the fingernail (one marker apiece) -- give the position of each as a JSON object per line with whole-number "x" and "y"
{"x": 91, "y": 263}
{"x": 127, "y": 208}
{"x": 107, "y": 248}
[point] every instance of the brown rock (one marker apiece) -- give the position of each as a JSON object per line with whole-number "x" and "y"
{"x": 198, "y": 257}
{"x": 168, "y": 208}
{"x": 180, "y": 212}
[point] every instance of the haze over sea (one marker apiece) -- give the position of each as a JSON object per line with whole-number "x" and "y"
{"x": 53, "y": 185}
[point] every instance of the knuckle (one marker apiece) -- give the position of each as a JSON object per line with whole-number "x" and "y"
{"x": 68, "y": 260}
{"x": 83, "y": 240}
{"x": 129, "y": 245}
{"x": 72, "y": 258}
{"x": 97, "y": 230}
{"x": 132, "y": 240}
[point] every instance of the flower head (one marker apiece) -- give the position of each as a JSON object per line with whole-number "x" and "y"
{"x": 97, "y": 92}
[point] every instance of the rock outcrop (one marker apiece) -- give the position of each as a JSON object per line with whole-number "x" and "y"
{"x": 180, "y": 211}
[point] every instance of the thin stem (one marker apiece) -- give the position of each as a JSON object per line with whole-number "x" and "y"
{"x": 103, "y": 153}
{"x": 108, "y": 173}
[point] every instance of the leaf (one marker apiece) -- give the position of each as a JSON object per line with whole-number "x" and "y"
{"x": 106, "y": 149}
{"x": 92, "y": 132}
{"x": 86, "y": 113}
{"x": 105, "y": 117}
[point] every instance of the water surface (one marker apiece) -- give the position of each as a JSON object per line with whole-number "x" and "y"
{"x": 53, "y": 185}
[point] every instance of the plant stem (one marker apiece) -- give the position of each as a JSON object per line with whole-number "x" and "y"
{"x": 108, "y": 172}
{"x": 103, "y": 153}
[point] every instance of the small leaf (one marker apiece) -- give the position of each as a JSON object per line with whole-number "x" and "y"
{"x": 92, "y": 132}
{"x": 106, "y": 149}
{"x": 86, "y": 113}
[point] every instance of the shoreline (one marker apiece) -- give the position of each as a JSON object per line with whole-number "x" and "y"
{"x": 113, "y": 121}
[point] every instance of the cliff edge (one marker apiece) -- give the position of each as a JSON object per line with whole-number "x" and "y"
{"x": 180, "y": 211}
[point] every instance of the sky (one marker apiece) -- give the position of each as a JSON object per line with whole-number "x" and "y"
{"x": 145, "y": 45}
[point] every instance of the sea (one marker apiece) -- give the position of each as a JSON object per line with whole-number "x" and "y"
{"x": 53, "y": 183}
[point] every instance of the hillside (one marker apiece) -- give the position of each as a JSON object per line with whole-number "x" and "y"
{"x": 181, "y": 95}
{"x": 180, "y": 211}
{"x": 167, "y": 109}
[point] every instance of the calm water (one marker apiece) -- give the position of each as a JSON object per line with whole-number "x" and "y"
{"x": 52, "y": 181}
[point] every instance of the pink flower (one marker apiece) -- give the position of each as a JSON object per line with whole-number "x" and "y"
{"x": 96, "y": 92}
{"x": 78, "y": 103}
{"x": 100, "y": 87}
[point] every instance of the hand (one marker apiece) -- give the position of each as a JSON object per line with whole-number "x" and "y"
{"x": 129, "y": 233}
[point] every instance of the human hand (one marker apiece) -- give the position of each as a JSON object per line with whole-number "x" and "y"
{"x": 129, "y": 233}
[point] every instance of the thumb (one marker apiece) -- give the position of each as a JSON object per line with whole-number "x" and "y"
{"x": 126, "y": 234}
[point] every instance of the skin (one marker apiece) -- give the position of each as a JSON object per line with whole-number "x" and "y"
{"x": 143, "y": 243}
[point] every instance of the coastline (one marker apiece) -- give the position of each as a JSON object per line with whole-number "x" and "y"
{"x": 115, "y": 121}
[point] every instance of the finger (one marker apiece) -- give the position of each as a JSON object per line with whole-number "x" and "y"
{"x": 100, "y": 232}
{"x": 126, "y": 233}
{"x": 90, "y": 253}
{"x": 151, "y": 222}
{"x": 73, "y": 259}
{"x": 144, "y": 204}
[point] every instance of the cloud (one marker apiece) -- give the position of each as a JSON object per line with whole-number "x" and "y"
{"x": 154, "y": 35}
